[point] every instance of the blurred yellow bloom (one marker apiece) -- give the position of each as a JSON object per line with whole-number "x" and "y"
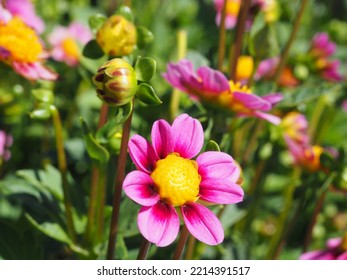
{"x": 244, "y": 69}
{"x": 20, "y": 42}
{"x": 271, "y": 11}
{"x": 117, "y": 36}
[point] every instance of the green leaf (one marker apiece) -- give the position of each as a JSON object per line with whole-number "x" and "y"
{"x": 43, "y": 95}
{"x": 94, "y": 149}
{"x": 264, "y": 43}
{"x": 52, "y": 230}
{"x": 145, "y": 68}
{"x": 123, "y": 112}
{"x": 48, "y": 179}
{"x": 92, "y": 50}
{"x": 144, "y": 36}
{"x": 96, "y": 21}
{"x": 212, "y": 146}
{"x": 147, "y": 95}
{"x": 125, "y": 12}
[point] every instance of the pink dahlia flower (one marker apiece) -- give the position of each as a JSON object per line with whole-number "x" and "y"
{"x": 66, "y": 41}
{"x": 321, "y": 50}
{"x": 232, "y": 11}
{"x": 168, "y": 180}
{"x": 334, "y": 251}
{"x": 15, "y": 37}
{"x": 305, "y": 155}
{"x": 25, "y": 10}
{"x": 5, "y": 143}
{"x": 344, "y": 105}
{"x": 295, "y": 126}
{"x": 322, "y": 46}
{"x": 212, "y": 87}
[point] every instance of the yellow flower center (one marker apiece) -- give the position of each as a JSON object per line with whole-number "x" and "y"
{"x": 20, "y": 40}
{"x": 176, "y": 180}
{"x": 227, "y": 100}
{"x": 233, "y": 7}
{"x": 70, "y": 47}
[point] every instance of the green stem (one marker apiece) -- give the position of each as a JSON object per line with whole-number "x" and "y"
{"x": 94, "y": 184}
{"x": 252, "y": 143}
{"x": 255, "y": 67}
{"x": 316, "y": 118}
{"x": 120, "y": 174}
{"x": 190, "y": 248}
{"x": 181, "y": 243}
{"x": 63, "y": 171}
{"x": 285, "y": 52}
{"x": 181, "y": 53}
{"x": 235, "y": 49}
{"x": 222, "y": 35}
{"x": 100, "y": 205}
{"x": 313, "y": 221}
{"x": 144, "y": 248}
{"x": 282, "y": 220}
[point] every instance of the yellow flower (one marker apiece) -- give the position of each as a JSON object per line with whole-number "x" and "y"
{"x": 244, "y": 68}
{"x": 117, "y": 36}
{"x": 20, "y": 42}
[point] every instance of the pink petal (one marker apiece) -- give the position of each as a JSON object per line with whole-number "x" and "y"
{"x": 213, "y": 80}
{"x": 268, "y": 117}
{"x": 161, "y": 138}
{"x": 34, "y": 71}
{"x": 138, "y": 186}
{"x": 343, "y": 256}
{"x": 273, "y": 98}
{"x": 333, "y": 243}
{"x": 25, "y": 10}
{"x": 220, "y": 191}
{"x": 142, "y": 153}
{"x": 159, "y": 223}
{"x": 188, "y": 136}
{"x": 202, "y": 223}
{"x": 252, "y": 101}
{"x": 318, "y": 255}
{"x": 217, "y": 165}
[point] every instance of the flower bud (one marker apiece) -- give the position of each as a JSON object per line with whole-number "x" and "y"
{"x": 117, "y": 36}
{"x": 115, "y": 82}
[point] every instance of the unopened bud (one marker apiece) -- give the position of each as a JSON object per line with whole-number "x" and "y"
{"x": 115, "y": 82}
{"x": 117, "y": 36}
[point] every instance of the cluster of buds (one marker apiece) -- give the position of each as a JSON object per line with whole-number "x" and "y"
{"x": 115, "y": 82}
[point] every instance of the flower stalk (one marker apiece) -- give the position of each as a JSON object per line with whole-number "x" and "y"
{"x": 181, "y": 243}
{"x": 63, "y": 170}
{"x": 144, "y": 248}
{"x": 235, "y": 49}
{"x": 120, "y": 174}
{"x": 222, "y": 35}
{"x": 285, "y": 52}
{"x": 181, "y": 53}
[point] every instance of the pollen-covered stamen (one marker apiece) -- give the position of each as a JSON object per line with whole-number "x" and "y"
{"x": 21, "y": 41}
{"x": 176, "y": 180}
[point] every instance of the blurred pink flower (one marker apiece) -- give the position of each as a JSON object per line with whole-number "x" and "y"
{"x": 333, "y": 251}
{"x": 22, "y": 49}
{"x": 344, "y": 105}
{"x": 295, "y": 126}
{"x": 232, "y": 11}
{"x": 5, "y": 143}
{"x": 305, "y": 155}
{"x": 321, "y": 51}
{"x": 167, "y": 180}
{"x": 66, "y": 42}
{"x": 322, "y": 46}
{"x": 212, "y": 87}
{"x": 25, "y": 10}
